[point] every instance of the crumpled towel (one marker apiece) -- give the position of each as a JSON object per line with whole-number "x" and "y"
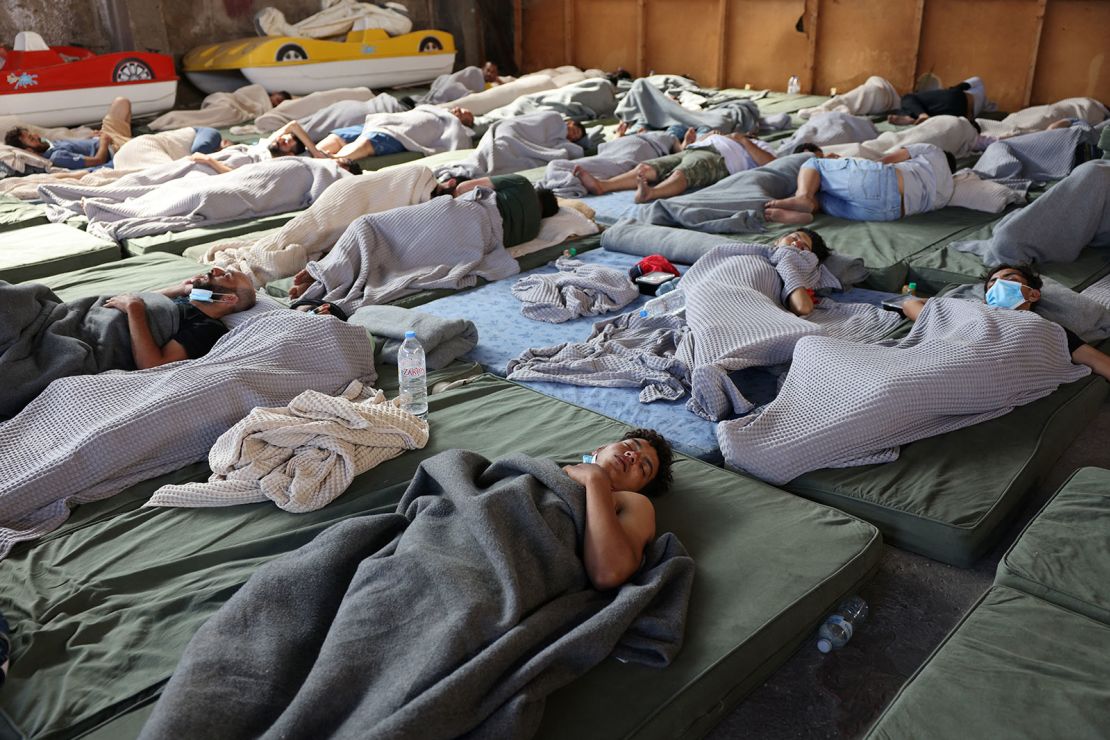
{"x": 578, "y": 289}
{"x": 303, "y": 456}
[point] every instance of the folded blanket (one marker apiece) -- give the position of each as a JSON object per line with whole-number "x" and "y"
{"x": 311, "y": 234}
{"x": 578, "y": 289}
{"x": 468, "y": 606}
{"x": 89, "y": 437}
{"x": 298, "y": 108}
{"x": 644, "y": 105}
{"x": 443, "y": 340}
{"x": 1038, "y": 117}
{"x": 875, "y": 95}
{"x": 833, "y": 127}
{"x": 951, "y": 133}
{"x": 446, "y": 88}
{"x": 516, "y": 144}
{"x": 302, "y": 456}
{"x": 218, "y": 109}
{"x": 130, "y": 210}
{"x": 1056, "y": 227}
{"x": 844, "y": 403}
{"x": 444, "y": 243}
{"x": 43, "y": 339}
{"x": 612, "y": 158}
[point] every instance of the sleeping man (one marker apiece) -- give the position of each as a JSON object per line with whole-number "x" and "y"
{"x": 45, "y": 338}
{"x": 426, "y": 129}
{"x": 914, "y": 179}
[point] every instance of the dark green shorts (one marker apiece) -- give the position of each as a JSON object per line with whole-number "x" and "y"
{"x": 701, "y": 166}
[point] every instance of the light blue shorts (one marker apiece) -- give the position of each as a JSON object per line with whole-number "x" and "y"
{"x": 858, "y": 189}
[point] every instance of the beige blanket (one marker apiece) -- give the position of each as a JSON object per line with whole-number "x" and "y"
{"x": 219, "y": 109}
{"x": 292, "y": 110}
{"x": 876, "y": 95}
{"x": 1039, "y": 117}
{"x": 313, "y": 233}
{"x": 336, "y": 18}
{"x": 951, "y": 133}
{"x": 303, "y": 456}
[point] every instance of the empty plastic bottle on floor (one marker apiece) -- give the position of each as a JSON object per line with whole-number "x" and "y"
{"x": 412, "y": 376}
{"x": 793, "y": 86}
{"x": 838, "y": 628}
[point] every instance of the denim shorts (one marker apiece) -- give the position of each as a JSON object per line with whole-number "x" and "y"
{"x": 858, "y": 189}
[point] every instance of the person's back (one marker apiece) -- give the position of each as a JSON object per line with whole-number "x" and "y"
{"x": 926, "y": 179}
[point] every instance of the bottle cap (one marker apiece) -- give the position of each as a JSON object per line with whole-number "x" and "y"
{"x": 913, "y": 286}
{"x": 824, "y": 645}
{"x": 643, "y": 313}
{"x": 410, "y": 334}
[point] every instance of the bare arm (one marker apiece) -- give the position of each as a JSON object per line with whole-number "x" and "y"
{"x": 800, "y": 302}
{"x": 618, "y": 527}
{"x": 144, "y": 350}
{"x": 101, "y": 155}
{"x": 1092, "y": 358}
{"x": 894, "y": 157}
{"x": 760, "y": 156}
{"x": 912, "y": 308}
{"x": 298, "y": 131}
{"x": 208, "y": 161}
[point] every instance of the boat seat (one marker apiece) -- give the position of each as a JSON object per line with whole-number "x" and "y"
{"x": 29, "y": 41}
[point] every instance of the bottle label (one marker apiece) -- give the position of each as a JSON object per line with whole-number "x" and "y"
{"x": 413, "y": 372}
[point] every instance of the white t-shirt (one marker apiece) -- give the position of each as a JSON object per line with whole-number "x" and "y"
{"x": 737, "y": 158}
{"x": 926, "y": 179}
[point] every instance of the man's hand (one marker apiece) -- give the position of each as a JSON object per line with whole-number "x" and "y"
{"x": 588, "y": 473}
{"x": 124, "y": 302}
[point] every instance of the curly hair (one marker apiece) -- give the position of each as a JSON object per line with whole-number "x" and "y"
{"x": 662, "y": 480}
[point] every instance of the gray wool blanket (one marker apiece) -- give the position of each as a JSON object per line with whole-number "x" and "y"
{"x": 444, "y": 243}
{"x": 578, "y": 289}
{"x": 457, "y": 615}
{"x": 732, "y": 206}
{"x": 43, "y": 338}
{"x": 832, "y": 127}
{"x": 346, "y": 113}
{"x": 89, "y": 437}
{"x": 516, "y": 144}
{"x": 1056, "y": 227}
{"x": 727, "y": 315}
{"x": 426, "y": 129}
{"x": 443, "y": 340}
{"x": 130, "y": 210}
{"x": 647, "y": 106}
{"x": 612, "y": 158}
{"x": 1036, "y": 157}
{"x": 446, "y": 88}
{"x": 588, "y": 100}
{"x": 845, "y": 403}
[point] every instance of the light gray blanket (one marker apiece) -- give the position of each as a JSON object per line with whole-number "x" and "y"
{"x": 426, "y": 129}
{"x": 726, "y": 315}
{"x": 347, "y": 113}
{"x": 446, "y": 88}
{"x": 577, "y": 289}
{"x": 612, "y": 158}
{"x": 89, "y": 437}
{"x": 1083, "y": 314}
{"x": 732, "y": 206}
{"x": 444, "y": 243}
{"x": 647, "y": 106}
{"x": 130, "y": 210}
{"x": 455, "y": 616}
{"x": 587, "y": 100}
{"x": 443, "y": 340}
{"x": 43, "y": 339}
{"x": 833, "y": 127}
{"x": 516, "y": 144}
{"x": 1056, "y": 227}
{"x": 1037, "y": 157}
{"x": 845, "y": 403}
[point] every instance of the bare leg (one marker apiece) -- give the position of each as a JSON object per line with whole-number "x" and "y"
{"x": 784, "y": 216}
{"x": 624, "y": 181}
{"x": 302, "y": 281}
{"x": 478, "y": 182}
{"x": 898, "y": 120}
{"x": 357, "y": 149}
{"x": 1062, "y": 123}
{"x": 805, "y": 198}
{"x": 120, "y": 109}
{"x": 622, "y": 128}
{"x": 674, "y": 185}
{"x": 331, "y": 144}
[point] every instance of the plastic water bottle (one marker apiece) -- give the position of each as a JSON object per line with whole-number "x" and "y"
{"x": 793, "y": 86}
{"x": 412, "y": 375}
{"x": 838, "y": 628}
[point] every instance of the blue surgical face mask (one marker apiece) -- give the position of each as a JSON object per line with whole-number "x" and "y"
{"x": 1005, "y": 294}
{"x": 589, "y": 458}
{"x": 204, "y": 296}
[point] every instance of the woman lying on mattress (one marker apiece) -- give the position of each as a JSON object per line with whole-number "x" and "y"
{"x": 1018, "y": 287}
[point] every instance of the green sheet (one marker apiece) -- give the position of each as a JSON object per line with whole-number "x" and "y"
{"x": 1015, "y": 667}
{"x": 779, "y": 102}
{"x": 103, "y": 607}
{"x": 1063, "y": 556}
{"x": 946, "y": 497}
{"x": 36, "y": 252}
{"x": 176, "y": 242}
{"x": 17, "y": 214}
{"x": 136, "y": 274}
{"x": 371, "y": 164}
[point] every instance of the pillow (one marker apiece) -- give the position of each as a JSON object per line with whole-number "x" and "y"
{"x": 262, "y": 304}
{"x": 968, "y": 191}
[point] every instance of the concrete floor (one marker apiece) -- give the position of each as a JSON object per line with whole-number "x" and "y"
{"x": 914, "y": 602}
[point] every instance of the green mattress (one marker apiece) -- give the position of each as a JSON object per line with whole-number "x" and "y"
{"x": 17, "y": 214}
{"x": 176, "y": 242}
{"x": 1063, "y": 556}
{"x": 1015, "y": 667}
{"x": 371, "y": 164}
{"x": 103, "y": 607}
{"x": 947, "y": 497}
{"x": 35, "y": 252}
{"x": 136, "y": 274}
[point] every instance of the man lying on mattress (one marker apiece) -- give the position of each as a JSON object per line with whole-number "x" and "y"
{"x": 291, "y": 140}
{"x": 52, "y": 339}
{"x": 1018, "y": 287}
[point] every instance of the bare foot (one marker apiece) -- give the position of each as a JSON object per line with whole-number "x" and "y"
{"x": 591, "y": 183}
{"x": 622, "y": 128}
{"x": 898, "y": 120}
{"x": 801, "y": 203}
{"x": 646, "y": 171}
{"x": 301, "y": 282}
{"x": 784, "y": 216}
{"x": 690, "y": 137}
{"x": 643, "y": 189}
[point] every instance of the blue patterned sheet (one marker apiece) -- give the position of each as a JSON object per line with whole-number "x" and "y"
{"x": 503, "y": 334}
{"x": 611, "y": 207}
